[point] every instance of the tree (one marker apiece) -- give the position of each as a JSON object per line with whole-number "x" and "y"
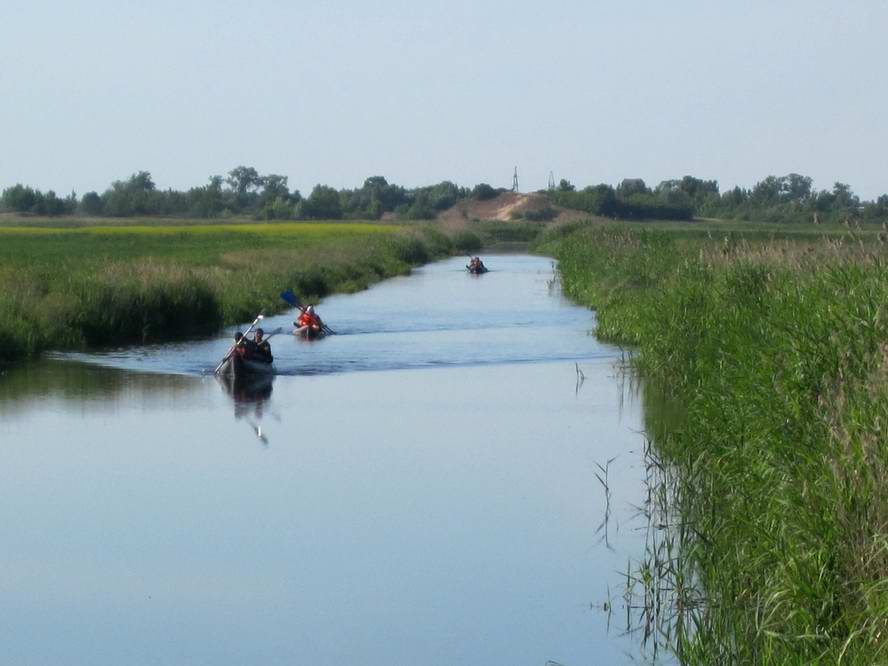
{"x": 564, "y": 185}
{"x": 322, "y": 204}
{"x": 766, "y": 191}
{"x": 19, "y": 198}
{"x": 795, "y": 187}
{"x": 135, "y": 196}
{"x": 273, "y": 187}
{"x": 844, "y": 199}
{"x": 51, "y": 204}
{"x": 483, "y": 192}
{"x": 206, "y": 201}
{"x": 243, "y": 179}
{"x": 91, "y": 204}
{"x": 630, "y": 186}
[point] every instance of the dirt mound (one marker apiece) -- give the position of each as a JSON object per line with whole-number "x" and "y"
{"x": 505, "y": 206}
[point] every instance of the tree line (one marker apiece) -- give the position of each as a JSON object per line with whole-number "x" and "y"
{"x": 244, "y": 191}
{"x": 790, "y": 198}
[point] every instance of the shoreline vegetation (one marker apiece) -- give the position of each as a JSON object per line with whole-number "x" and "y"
{"x": 96, "y": 286}
{"x": 776, "y": 349}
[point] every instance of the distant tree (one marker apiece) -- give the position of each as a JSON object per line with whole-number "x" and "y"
{"x": 281, "y": 209}
{"x": 206, "y": 201}
{"x": 421, "y": 207}
{"x": 243, "y": 179}
{"x": 795, "y": 187}
{"x": 483, "y": 192}
{"x": 564, "y": 185}
{"x": 19, "y": 198}
{"x": 766, "y": 191}
{"x": 322, "y": 204}
{"x": 273, "y": 187}
{"x": 136, "y": 196}
{"x": 444, "y": 195}
{"x": 630, "y": 186}
{"x": 51, "y": 204}
{"x": 844, "y": 199}
{"x": 141, "y": 182}
{"x": 91, "y": 204}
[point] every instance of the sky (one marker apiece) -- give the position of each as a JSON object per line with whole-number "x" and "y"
{"x": 92, "y": 91}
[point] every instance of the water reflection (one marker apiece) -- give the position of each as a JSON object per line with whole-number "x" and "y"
{"x": 250, "y": 395}
{"x": 38, "y": 385}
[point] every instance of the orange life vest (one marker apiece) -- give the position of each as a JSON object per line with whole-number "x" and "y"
{"x": 306, "y": 319}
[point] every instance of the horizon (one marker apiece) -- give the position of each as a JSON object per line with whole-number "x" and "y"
{"x": 457, "y": 91}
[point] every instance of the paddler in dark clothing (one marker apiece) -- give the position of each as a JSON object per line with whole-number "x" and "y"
{"x": 240, "y": 347}
{"x": 261, "y": 347}
{"x": 244, "y": 347}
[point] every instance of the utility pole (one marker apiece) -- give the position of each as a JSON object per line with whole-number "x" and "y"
{"x": 551, "y": 181}
{"x": 515, "y": 180}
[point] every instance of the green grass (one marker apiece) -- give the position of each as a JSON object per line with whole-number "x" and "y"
{"x": 775, "y": 346}
{"x": 78, "y": 286}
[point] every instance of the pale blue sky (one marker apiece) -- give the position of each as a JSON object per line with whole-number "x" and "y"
{"x": 462, "y": 90}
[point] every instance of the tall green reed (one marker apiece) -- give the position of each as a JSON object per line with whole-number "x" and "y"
{"x": 777, "y": 351}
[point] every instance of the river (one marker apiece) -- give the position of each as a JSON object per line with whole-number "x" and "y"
{"x": 418, "y": 489}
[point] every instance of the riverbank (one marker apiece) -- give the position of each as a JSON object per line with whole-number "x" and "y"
{"x": 777, "y": 351}
{"x": 79, "y": 286}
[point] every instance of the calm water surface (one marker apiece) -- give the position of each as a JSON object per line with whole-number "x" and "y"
{"x": 419, "y": 489}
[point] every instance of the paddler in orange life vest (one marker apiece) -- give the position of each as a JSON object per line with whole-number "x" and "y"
{"x": 308, "y": 323}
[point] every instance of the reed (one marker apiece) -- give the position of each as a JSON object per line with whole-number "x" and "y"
{"x": 67, "y": 288}
{"x": 776, "y": 350}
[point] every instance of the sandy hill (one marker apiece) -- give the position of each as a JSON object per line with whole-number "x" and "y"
{"x": 505, "y": 206}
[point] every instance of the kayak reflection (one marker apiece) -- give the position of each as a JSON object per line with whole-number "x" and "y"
{"x": 250, "y": 395}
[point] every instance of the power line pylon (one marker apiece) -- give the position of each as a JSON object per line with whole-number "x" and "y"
{"x": 551, "y": 181}
{"x": 515, "y": 180}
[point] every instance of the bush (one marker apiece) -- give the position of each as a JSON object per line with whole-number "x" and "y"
{"x": 483, "y": 192}
{"x": 540, "y": 214}
{"x": 466, "y": 241}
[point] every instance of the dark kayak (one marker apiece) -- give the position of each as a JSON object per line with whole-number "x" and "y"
{"x": 477, "y": 271}
{"x": 238, "y": 367}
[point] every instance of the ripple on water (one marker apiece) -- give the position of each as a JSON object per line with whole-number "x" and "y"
{"x": 439, "y": 316}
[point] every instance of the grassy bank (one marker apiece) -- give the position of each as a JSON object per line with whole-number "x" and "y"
{"x": 78, "y": 286}
{"x": 777, "y": 351}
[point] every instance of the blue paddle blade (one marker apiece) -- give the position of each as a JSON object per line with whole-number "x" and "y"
{"x": 290, "y": 297}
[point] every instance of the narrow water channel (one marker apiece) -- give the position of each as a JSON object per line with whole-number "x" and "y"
{"x": 418, "y": 489}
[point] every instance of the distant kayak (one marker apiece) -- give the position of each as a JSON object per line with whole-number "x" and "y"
{"x": 476, "y": 270}
{"x": 309, "y": 333}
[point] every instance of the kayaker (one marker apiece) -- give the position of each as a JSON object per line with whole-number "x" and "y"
{"x": 308, "y": 322}
{"x": 244, "y": 347}
{"x": 239, "y": 347}
{"x": 476, "y": 265}
{"x": 261, "y": 347}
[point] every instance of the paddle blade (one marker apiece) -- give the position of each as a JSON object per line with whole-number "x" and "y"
{"x": 290, "y": 298}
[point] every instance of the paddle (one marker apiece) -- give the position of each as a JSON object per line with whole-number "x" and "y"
{"x": 234, "y": 346}
{"x": 278, "y": 330}
{"x": 293, "y": 300}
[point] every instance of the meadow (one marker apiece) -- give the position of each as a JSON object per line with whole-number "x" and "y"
{"x": 768, "y": 352}
{"x": 68, "y": 284}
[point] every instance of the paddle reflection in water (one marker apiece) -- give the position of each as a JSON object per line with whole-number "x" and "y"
{"x": 250, "y": 395}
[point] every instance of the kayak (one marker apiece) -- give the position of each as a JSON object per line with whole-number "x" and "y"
{"x": 309, "y": 333}
{"x": 477, "y": 271}
{"x": 238, "y": 367}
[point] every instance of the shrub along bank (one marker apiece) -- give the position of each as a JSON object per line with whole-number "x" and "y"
{"x": 69, "y": 288}
{"x": 778, "y": 352}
